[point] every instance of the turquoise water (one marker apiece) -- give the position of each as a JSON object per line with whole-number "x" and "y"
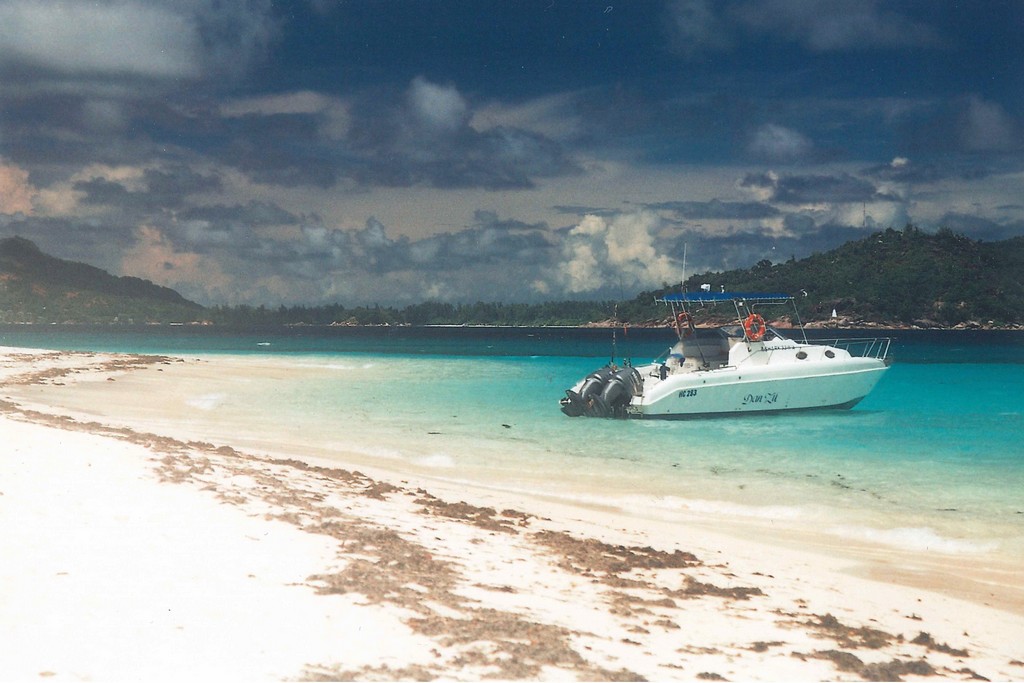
{"x": 930, "y": 461}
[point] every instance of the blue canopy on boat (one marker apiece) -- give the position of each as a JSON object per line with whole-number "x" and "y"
{"x": 719, "y": 297}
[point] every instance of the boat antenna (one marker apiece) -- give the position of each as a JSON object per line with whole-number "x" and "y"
{"x": 615, "y": 325}
{"x": 796, "y": 310}
{"x": 682, "y": 288}
{"x": 682, "y": 284}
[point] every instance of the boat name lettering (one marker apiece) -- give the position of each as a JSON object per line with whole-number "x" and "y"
{"x": 760, "y": 398}
{"x": 687, "y": 393}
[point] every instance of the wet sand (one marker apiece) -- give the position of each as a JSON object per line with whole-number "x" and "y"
{"x": 136, "y": 550}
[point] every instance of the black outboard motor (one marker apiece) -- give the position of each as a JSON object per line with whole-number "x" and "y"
{"x": 604, "y": 393}
{"x": 579, "y": 403}
{"x": 620, "y": 389}
{"x": 595, "y": 382}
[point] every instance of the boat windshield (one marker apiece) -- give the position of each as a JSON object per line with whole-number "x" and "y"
{"x": 736, "y": 332}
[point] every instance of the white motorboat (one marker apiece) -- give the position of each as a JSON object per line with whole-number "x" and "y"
{"x": 736, "y": 369}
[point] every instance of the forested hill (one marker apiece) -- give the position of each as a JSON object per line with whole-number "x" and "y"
{"x": 898, "y": 278}
{"x": 36, "y": 287}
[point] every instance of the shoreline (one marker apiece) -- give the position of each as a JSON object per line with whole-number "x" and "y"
{"x": 840, "y": 324}
{"x": 465, "y": 584}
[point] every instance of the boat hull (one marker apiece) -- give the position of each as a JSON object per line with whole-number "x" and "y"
{"x": 754, "y": 390}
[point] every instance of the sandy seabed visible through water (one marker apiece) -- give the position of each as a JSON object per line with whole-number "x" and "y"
{"x": 134, "y": 548}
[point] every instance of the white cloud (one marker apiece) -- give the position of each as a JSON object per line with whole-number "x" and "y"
{"x": 778, "y": 143}
{"x": 334, "y": 112}
{"x": 16, "y": 192}
{"x": 155, "y": 39}
{"x": 439, "y": 107}
{"x": 103, "y": 115}
{"x": 582, "y": 270}
{"x": 702, "y": 26}
{"x": 300, "y": 102}
{"x": 603, "y": 253}
{"x": 833, "y": 25}
{"x": 107, "y": 38}
{"x": 987, "y": 127}
{"x": 234, "y": 32}
{"x": 695, "y": 27}
{"x": 553, "y": 116}
{"x": 129, "y": 176}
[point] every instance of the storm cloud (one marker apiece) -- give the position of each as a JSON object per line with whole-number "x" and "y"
{"x": 245, "y": 151}
{"x": 812, "y": 189}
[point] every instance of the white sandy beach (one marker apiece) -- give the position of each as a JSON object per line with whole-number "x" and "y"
{"x": 136, "y": 552}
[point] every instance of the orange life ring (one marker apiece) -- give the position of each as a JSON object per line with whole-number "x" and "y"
{"x": 754, "y": 327}
{"x": 684, "y": 319}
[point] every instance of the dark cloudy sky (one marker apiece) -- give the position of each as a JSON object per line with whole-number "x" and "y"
{"x": 360, "y": 151}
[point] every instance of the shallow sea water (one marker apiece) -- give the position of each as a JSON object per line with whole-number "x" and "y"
{"x": 930, "y": 461}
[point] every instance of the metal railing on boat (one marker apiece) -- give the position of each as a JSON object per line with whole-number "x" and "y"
{"x": 863, "y": 347}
